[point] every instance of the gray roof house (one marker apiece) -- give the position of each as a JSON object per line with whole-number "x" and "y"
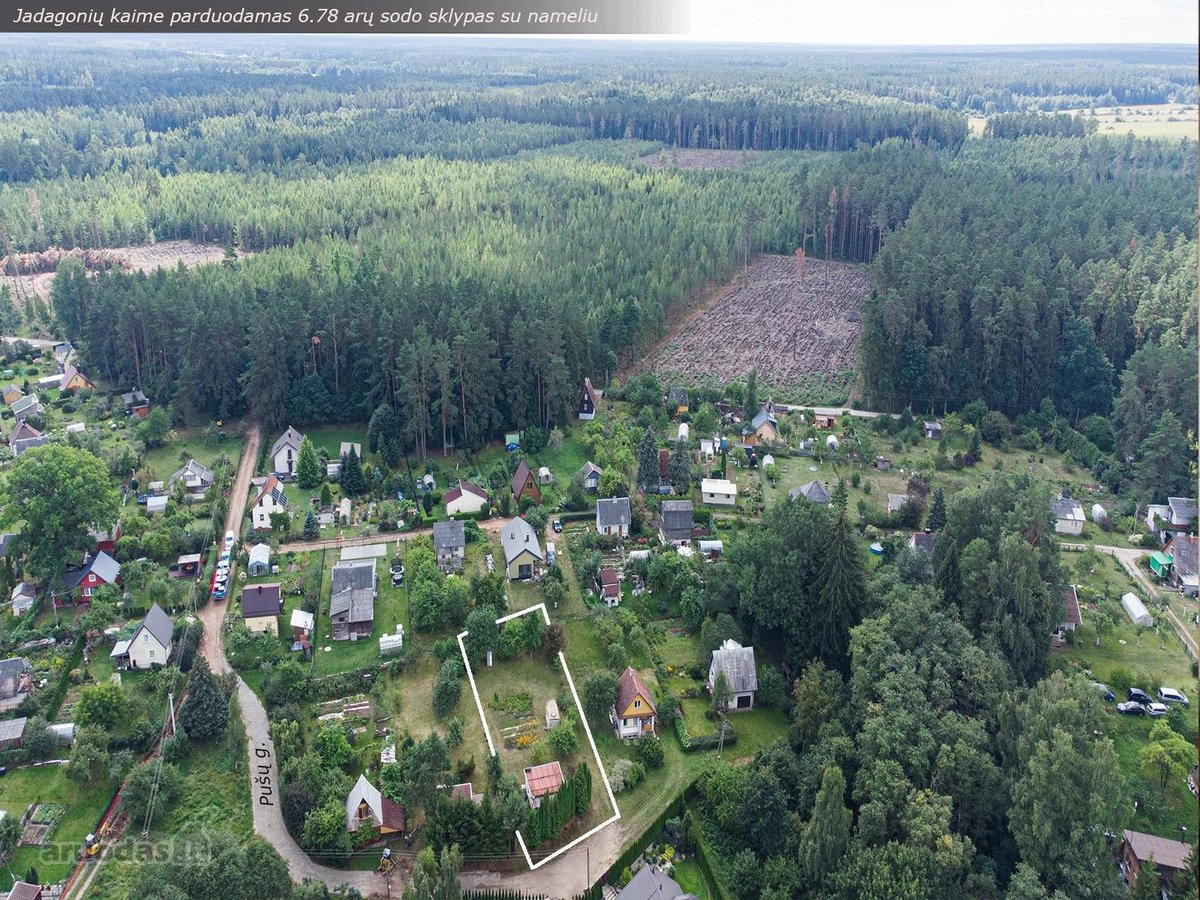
{"x": 651, "y": 884}
{"x": 450, "y": 542}
{"x": 737, "y": 664}
{"x": 25, "y": 437}
{"x": 895, "y": 501}
{"x": 613, "y": 516}
{"x": 27, "y": 406}
{"x": 814, "y": 492}
{"x": 285, "y": 452}
{"x": 591, "y": 476}
{"x": 11, "y": 670}
{"x": 195, "y": 477}
{"x": 1183, "y": 509}
{"x": 352, "y": 605}
{"x": 677, "y": 517}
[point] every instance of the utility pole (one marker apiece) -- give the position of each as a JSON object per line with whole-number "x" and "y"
{"x": 171, "y": 708}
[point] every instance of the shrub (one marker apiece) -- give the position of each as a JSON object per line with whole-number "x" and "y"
{"x": 649, "y": 751}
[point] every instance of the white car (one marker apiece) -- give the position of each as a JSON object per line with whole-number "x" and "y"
{"x": 1170, "y": 695}
{"x": 1157, "y": 709}
{"x": 229, "y": 539}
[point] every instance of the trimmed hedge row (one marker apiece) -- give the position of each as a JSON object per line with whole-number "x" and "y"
{"x": 49, "y": 707}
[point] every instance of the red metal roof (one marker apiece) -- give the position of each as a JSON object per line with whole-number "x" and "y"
{"x": 544, "y": 779}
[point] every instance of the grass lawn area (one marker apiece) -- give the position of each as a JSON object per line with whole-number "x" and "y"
{"x": 690, "y": 878}
{"x": 49, "y": 784}
{"x": 162, "y": 461}
{"x": 391, "y": 606}
{"x": 330, "y": 437}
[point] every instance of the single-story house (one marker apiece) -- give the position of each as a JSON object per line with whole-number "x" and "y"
{"x": 675, "y": 522}
{"x": 450, "y": 542}
{"x": 553, "y": 718}
{"x": 922, "y": 540}
{"x": 12, "y": 731}
{"x": 74, "y": 380}
{"x": 150, "y": 644}
{"x": 634, "y": 713}
{"x": 365, "y": 805}
{"x": 1183, "y": 510}
{"x": 14, "y": 677}
{"x": 97, "y": 571}
{"x": 737, "y": 664}
{"x": 156, "y": 505}
{"x": 542, "y": 781}
{"x": 1182, "y": 548}
{"x": 591, "y": 476}
{"x": 466, "y": 498}
{"x": 261, "y": 606}
{"x": 63, "y": 352}
{"x": 12, "y": 394}
{"x": 586, "y": 408}
{"x": 763, "y": 429}
{"x": 270, "y": 500}
{"x": 651, "y": 884}
{"x": 1156, "y": 512}
{"x": 352, "y": 601}
{"x": 136, "y": 403}
{"x": 27, "y": 406}
{"x": 196, "y": 478}
{"x": 22, "y": 599}
{"x": 609, "y": 586}
{"x": 822, "y": 421}
{"x": 813, "y": 492}
{"x": 259, "y": 563}
{"x": 1068, "y": 515}
{"x": 285, "y": 453}
{"x": 1072, "y": 618}
{"x": 933, "y": 430}
{"x": 1136, "y": 610}
{"x": 895, "y": 502}
{"x": 522, "y": 552}
{"x": 25, "y": 437}
{"x": 1170, "y": 857}
{"x": 614, "y": 516}
{"x": 718, "y": 491}
{"x": 524, "y": 484}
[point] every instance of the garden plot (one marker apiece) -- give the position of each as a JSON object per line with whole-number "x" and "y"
{"x": 795, "y": 322}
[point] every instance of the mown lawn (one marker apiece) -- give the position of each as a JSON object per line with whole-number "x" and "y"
{"x": 690, "y": 878}
{"x": 391, "y": 607}
{"x": 162, "y": 461}
{"x": 49, "y": 784}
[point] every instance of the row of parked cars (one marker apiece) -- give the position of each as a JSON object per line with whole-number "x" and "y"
{"x": 220, "y": 582}
{"x": 1139, "y": 703}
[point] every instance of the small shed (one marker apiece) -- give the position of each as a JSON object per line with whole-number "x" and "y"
{"x": 1160, "y": 563}
{"x": 767, "y": 460}
{"x": 545, "y": 476}
{"x": 156, "y": 505}
{"x": 682, "y": 433}
{"x": 711, "y": 549}
{"x": 187, "y": 564}
{"x": 1136, "y": 610}
{"x": 428, "y": 482}
{"x": 832, "y": 442}
{"x": 260, "y": 560}
{"x": 552, "y": 716}
{"x": 344, "y": 510}
{"x": 1099, "y": 513}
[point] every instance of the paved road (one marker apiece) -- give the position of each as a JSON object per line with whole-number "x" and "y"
{"x": 1128, "y": 558}
{"x": 32, "y": 342}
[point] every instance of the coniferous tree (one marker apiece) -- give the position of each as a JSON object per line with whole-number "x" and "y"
{"x": 312, "y": 530}
{"x": 840, "y": 495}
{"x": 827, "y": 833}
{"x": 679, "y": 468}
{"x": 647, "y": 461}
{"x": 937, "y": 511}
{"x": 1162, "y": 466}
{"x": 308, "y": 467}
{"x": 842, "y": 591}
{"x": 354, "y": 482}
{"x": 205, "y": 711}
{"x": 752, "y": 393}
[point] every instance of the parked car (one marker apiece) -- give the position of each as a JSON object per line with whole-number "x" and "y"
{"x": 558, "y": 526}
{"x": 1103, "y": 688}
{"x": 1130, "y": 708}
{"x": 229, "y": 539}
{"x": 1157, "y": 709}
{"x": 1140, "y": 696}
{"x": 1170, "y": 695}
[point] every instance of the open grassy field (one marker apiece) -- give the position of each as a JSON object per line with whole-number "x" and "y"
{"x": 1152, "y": 120}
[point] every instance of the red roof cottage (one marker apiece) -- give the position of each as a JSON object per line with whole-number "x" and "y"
{"x": 82, "y": 583}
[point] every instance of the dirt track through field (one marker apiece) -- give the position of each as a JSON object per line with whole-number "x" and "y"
{"x": 789, "y": 320}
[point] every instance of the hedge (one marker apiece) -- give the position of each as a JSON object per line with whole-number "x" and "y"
{"x": 53, "y": 701}
{"x": 637, "y": 848}
{"x": 689, "y": 744}
{"x": 706, "y": 866}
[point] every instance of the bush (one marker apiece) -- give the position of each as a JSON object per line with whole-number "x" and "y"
{"x": 625, "y": 775}
{"x": 447, "y": 688}
{"x": 772, "y": 689}
{"x": 995, "y": 428}
{"x": 649, "y": 751}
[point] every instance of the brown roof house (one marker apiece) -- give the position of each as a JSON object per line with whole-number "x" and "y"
{"x": 1170, "y": 857}
{"x": 524, "y": 484}
{"x": 634, "y": 713}
{"x": 25, "y": 437}
{"x": 610, "y": 587}
{"x": 365, "y": 805}
{"x": 352, "y": 606}
{"x": 261, "y": 605}
{"x": 542, "y": 781}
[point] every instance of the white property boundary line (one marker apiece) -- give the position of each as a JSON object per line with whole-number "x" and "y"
{"x": 562, "y": 660}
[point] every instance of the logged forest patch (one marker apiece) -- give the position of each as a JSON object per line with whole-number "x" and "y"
{"x": 796, "y": 321}
{"x": 28, "y": 275}
{"x": 675, "y": 158}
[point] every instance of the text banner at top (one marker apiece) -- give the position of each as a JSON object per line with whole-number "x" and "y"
{"x": 351, "y": 16}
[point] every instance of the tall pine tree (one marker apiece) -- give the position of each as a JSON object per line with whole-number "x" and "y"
{"x": 937, "y": 511}
{"x": 842, "y": 590}
{"x": 647, "y": 461}
{"x": 827, "y": 833}
{"x": 353, "y": 480}
{"x": 205, "y": 711}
